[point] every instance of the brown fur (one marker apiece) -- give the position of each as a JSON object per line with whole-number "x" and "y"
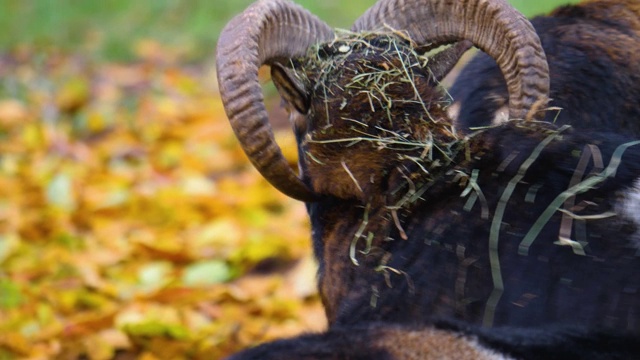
{"x": 358, "y": 169}
{"x": 398, "y": 246}
{"x": 430, "y": 343}
{"x": 393, "y": 231}
{"x": 624, "y": 12}
{"x": 593, "y": 51}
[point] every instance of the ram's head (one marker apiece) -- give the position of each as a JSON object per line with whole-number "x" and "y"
{"x": 361, "y": 102}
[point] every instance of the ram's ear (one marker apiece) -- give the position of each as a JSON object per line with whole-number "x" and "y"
{"x": 290, "y": 87}
{"x": 441, "y": 63}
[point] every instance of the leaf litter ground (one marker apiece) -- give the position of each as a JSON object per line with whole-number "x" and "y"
{"x": 131, "y": 224}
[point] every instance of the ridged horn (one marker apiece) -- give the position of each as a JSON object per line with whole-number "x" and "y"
{"x": 267, "y": 30}
{"x": 493, "y": 26}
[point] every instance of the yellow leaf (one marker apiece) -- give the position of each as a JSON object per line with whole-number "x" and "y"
{"x": 15, "y": 343}
{"x": 12, "y": 112}
{"x": 73, "y": 94}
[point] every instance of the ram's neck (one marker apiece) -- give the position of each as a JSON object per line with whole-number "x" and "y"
{"x": 425, "y": 220}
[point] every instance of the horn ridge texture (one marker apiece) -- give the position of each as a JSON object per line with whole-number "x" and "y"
{"x": 265, "y": 31}
{"x": 494, "y": 26}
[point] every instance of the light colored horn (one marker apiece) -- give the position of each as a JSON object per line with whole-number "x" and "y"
{"x": 265, "y": 31}
{"x": 493, "y": 26}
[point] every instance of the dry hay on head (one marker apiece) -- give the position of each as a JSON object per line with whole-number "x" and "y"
{"x": 373, "y": 87}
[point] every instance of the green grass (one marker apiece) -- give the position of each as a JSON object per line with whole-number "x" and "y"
{"x": 109, "y": 29}
{"x": 537, "y": 7}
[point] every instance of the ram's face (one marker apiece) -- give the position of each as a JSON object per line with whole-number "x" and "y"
{"x": 358, "y": 105}
{"x": 359, "y": 91}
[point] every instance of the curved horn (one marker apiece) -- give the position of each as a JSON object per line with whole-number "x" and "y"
{"x": 492, "y": 25}
{"x": 265, "y": 31}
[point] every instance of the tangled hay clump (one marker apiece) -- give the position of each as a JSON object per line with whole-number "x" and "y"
{"x": 383, "y": 77}
{"x": 375, "y": 91}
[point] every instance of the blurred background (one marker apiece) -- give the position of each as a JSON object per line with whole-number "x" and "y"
{"x": 131, "y": 224}
{"x": 109, "y": 29}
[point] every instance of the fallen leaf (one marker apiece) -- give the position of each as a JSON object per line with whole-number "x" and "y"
{"x": 206, "y": 273}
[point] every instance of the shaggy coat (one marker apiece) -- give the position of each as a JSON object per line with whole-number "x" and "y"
{"x": 593, "y": 50}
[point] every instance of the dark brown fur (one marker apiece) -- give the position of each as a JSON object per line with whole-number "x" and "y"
{"x": 400, "y": 244}
{"x": 447, "y": 340}
{"x": 360, "y": 169}
{"x": 397, "y": 239}
{"x": 593, "y": 51}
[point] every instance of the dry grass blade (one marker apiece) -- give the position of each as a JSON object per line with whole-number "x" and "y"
{"x": 583, "y": 186}
{"x": 494, "y": 234}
